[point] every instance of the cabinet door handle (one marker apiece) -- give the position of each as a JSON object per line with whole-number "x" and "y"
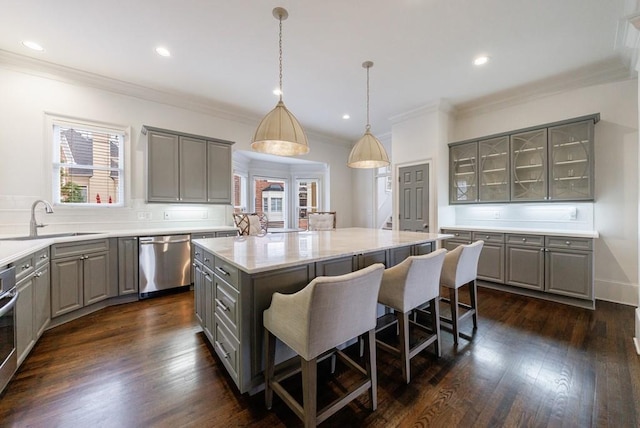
{"x": 222, "y": 305}
{"x": 197, "y": 253}
{"x": 207, "y": 260}
{"x": 222, "y": 271}
{"x": 221, "y": 348}
{"x": 27, "y": 266}
{"x": 44, "y": 256}
{"x": 524, "y": 239}
{"x": 38, "y": 274}
{"x": 568, "y": 242}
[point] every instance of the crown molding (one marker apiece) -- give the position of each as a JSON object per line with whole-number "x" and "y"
{"x": 440, "y": 105}
{"x": 60, "y": 73}
{"x": 611, "y": 70}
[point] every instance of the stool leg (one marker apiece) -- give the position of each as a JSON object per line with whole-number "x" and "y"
{"x": 370, "y": 345}
{"x": 453, "y": 297}
{"x": 435, "y": 322}
{"x": 403, "y": 326}
{"x": 309, "y": 391}
{"x": 473, "y": 294}
{"x": 269, "y": 360}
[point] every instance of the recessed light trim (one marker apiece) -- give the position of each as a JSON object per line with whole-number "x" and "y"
{"x": 346, "y": 116}
{"x": 33, "y": 45}
{"x": 162, "y": 51}
{"x": 481, "y": 60}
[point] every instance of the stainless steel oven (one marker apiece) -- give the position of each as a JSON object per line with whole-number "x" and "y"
{"x": 8, "y": 298}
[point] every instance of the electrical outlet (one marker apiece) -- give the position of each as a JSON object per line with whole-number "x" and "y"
{"x": 573, "y": 213}
{"x": 167, "y": 215}
{"x": 496, "y": 214}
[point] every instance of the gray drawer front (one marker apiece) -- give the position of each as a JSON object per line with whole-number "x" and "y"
{"x": 24, "y": 267}
{"x": 227, "y": 348}
{"x": 79, "y": 248}
{"x": 226, "y": 301}
{"x": 198, "y": 254}
{"x": 462, "y": 235}
{"x": 207, "y": 259}
{"x": 569, "y": 243}
{"x": 226, "y": 271}
{"x": 488, "y": 237}
{"x": 42, "y": 257}
{"x": 528, "y": 240}
{"x": 223, "y": 233}
{"x": 203, "y": 235}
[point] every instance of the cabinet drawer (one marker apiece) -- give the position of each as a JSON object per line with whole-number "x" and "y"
{"x": 489, "y": 237}
{"x": 569, "y": 243}
{"x": 527, "y": 240}
{"x": 226, "y": 301}
{"x": 226, "y": 347}
{"x": 42, "y": 257}
{"x": 226, "y": 271}
{"x": 203, "y": 235}
{"x": 223, "y": 233}
{"x": 207, "y": 259}
{"x": 459, "y": 235}
{"x": 24, "y": 267}
{"x": 67, "y": 249}
{"x": 198, "y": 254}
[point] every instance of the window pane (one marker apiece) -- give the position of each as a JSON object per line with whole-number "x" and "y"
{"x": 89, "y": 167}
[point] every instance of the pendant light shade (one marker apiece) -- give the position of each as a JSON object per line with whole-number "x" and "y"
{"x": 368, "y": 151}
{"x": 280, "y": 133}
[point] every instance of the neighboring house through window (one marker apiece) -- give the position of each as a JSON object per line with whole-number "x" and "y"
{"x": 88, "y": 164}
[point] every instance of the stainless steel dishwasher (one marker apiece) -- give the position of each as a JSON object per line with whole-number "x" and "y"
{"x": 165, "y": 264}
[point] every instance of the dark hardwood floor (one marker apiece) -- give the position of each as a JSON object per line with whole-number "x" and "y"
{"x": 530, "y": 363}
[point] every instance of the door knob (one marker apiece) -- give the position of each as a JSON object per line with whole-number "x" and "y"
{"x": 425, "y": 225}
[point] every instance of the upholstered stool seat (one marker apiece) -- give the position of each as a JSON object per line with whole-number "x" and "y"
{"x": 461, "y": 268}
{"x": 406, "y": 286}
{"x": 328, "y": 312}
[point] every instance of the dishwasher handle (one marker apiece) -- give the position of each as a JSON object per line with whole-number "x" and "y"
{"x": 148, "y": 241}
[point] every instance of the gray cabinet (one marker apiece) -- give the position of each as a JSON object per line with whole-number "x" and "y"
{"x": 33, "y": 304}
{"x": 525, "y": 261}
{"x": 569, "y": 267}
{"x": 492, "y": 257}
{"x": 128, "y": 265}
{"x": 80, "y": 275}
{"x": 463, "y": 173}
{"x": 187, "y": 168}
{"x": 198, "y": 291}
{"x": 552, "y": 162}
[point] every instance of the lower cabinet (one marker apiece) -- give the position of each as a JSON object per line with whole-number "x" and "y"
{"x": 551, "y": 265}
{"x": 33, "y": 312}
{"x": 128, "y": 265}
{"x": 80, "y": 275}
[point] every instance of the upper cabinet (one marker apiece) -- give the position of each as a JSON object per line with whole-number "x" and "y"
{"x": 552, "y": 162}
{"x": 183, "y": 168}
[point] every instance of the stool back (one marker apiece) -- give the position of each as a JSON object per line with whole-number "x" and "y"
{"x": 461, "y": 265}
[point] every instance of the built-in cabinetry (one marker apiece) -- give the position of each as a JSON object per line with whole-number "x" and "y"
{"x": 80, "y": 275}
{"x": 229, "y": 303}
{"x": 555, "y": 267}
{"x": 128, "y": 265}
{"x": 33, "y": 312}
{"x": 552, "y": 162}
{"x": 187, "y": 168}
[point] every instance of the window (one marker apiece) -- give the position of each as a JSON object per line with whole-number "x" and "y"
{"x": 308, "y": 199}
{"x": 276, "y": 205}
{"x": 88, "y": 164}
{"x": 239, "y": 193}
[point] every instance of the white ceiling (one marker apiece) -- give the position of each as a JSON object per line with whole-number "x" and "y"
{"x": 226, "y": 52}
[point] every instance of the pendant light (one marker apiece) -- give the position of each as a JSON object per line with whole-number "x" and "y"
{"x": 280, "y": 133}
{"x": 368, "y": 151}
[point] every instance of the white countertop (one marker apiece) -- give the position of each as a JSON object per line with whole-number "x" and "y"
{"x": 548, "y": 232}
{"x": 254, "y": 254}
{"x": 11, "y": 251}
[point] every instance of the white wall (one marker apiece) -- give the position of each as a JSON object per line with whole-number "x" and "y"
{"x": 615, "y": 214}
{"x": 25, "y": 152}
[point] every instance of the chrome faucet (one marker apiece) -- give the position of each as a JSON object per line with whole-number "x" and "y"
{"x": 33, "y": 225}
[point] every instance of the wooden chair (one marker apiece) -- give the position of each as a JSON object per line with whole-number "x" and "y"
{"x": 322, "y": 220}
{"x": 251, "y": 224}
{"x": 329, "y": 311}
{"x": 461, "y": 268}
{"x": 406, "y": 286}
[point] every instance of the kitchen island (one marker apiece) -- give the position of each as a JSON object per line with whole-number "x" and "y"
{"x": 235, "y": 278}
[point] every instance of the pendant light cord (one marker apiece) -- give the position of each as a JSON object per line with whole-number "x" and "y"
{"x": 280, "y": 53}
{"x": 368, "y": 127}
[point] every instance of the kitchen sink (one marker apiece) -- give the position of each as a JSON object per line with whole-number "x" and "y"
{"x": 52, "y": 235}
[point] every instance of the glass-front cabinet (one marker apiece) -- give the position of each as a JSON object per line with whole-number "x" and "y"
{"x": 529, "y": 166}
{"x": 494, "y": 169}
{"x": 571, "y": 165}
{"x": 463, "y": 161}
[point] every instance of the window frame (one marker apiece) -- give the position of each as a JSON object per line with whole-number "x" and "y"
{"x": 54, "y": 164}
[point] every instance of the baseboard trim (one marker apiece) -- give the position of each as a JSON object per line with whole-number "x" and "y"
{"x": 616, "y": 292}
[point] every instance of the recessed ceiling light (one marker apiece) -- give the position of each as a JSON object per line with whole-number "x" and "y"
{"x": 481, "y": 60}
{"x": 346, "y": 116}
{"x": 277, "y": 91}
{"x": 33, "y": 45}
{"x": 162, "y": 51}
